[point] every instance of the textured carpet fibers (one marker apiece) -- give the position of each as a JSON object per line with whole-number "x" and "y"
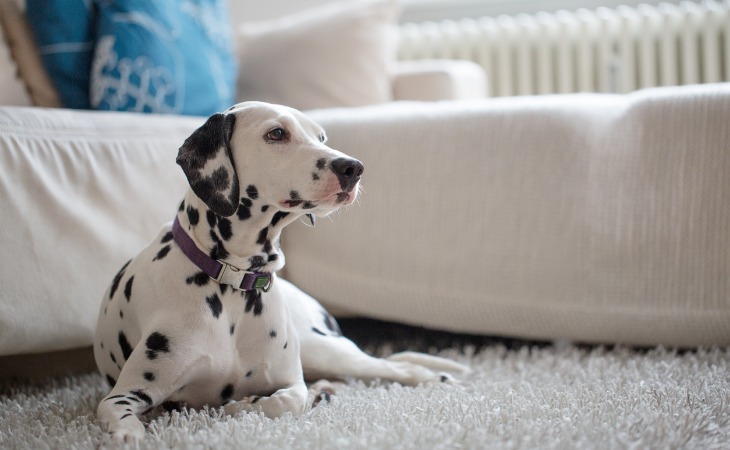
{"x": 555, "y": 396}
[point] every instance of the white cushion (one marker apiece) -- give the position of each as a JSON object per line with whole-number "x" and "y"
{"x": 338, "y": 54}
{"x": 600, "y": 218}
{"x": 439, "y": 79}
{"x": 80, "y": 193}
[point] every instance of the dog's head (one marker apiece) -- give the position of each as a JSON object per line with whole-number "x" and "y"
{"x": 271, "y": 152}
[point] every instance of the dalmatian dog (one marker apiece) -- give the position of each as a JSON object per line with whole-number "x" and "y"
{"x": 199, "y": 316}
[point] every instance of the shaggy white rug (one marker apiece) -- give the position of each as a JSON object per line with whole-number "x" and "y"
{"x": 558, "y": 396}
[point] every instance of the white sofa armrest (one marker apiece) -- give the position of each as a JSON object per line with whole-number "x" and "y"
{"x": 439, "y": 79}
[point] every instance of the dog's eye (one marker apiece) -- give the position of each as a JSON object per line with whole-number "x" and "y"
{"x": 277, "y": 134}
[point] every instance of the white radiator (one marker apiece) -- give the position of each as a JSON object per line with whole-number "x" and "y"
{"x": 607, "y": 50}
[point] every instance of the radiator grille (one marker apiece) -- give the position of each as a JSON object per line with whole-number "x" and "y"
{"x": 606, "y": 50}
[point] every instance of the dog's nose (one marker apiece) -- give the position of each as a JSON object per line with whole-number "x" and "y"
{"x": 348, "y": 172}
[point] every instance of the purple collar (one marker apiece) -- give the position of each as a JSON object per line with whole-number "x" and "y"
{"x": 218, "y": 270}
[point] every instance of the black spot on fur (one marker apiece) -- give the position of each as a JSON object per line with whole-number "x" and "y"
{"x": 117, "y": 279}
{"x": 264, "y": 208}
{"x": 182, "y": 205}
{"x": 315, "y": 177}
{"x": 166, "y": 238}
{"x": 111, "y": 380}
{"x": 273, "y": 257}
{"x": 162, "y": 253}
{"x": 233, "y": 327}
{"x": 309, "y": 205}
{"x": 128, "y": 288}
{"x": 124, "y": 345}
{"x": 277, "y": 217}
{"x": 216, "y": 307}
{"x": 121, "y": 314}
{"x": 267, "y": 246}
{"x": 253, "y": 302}
{"x": 157, "y": 343}
{"x": 225, "y": 229}
{"x": 246, "y": 202}
{"x": 256, "y": 261}
{"x": 223, "y": 288}
{"x": 286, "y": 344}
{"x": 219, "y": 250}
{"x": 294, "y": 195}
{"x": 243, "y": 212}
{"x": 211, "y": 217}
{"x": 142, "y": 396}
{"x": 193, "y": 215}
{"x": 249, "y": 373}
{"x": 272, "y": 333}
{"x": 252, "y": 192}
{"x": 220, "y": 179}
{"x": 114, "y": 359}
{"x": 321, "y": 162}
{"x": 227, "y": 392}
{"x": 262, "y": 235}
{"x": 331, "y": 323}
{"x": 318, "y": 331}
{"x": 199, "y": 279}
{"x": 149, "y": 376}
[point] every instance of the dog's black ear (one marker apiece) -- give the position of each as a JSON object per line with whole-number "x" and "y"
{"x": 207, "y": 161}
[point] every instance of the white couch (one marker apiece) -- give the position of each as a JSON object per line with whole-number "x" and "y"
{"x": 595, "y": 218}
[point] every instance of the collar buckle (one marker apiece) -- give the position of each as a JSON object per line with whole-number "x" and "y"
{"x": 243, "y": 280}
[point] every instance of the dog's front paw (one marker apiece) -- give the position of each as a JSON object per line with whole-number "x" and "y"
{"x": 289, "y": 400}
{"x": 128, "y": 430}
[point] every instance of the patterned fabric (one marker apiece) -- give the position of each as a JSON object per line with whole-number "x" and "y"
{"x": 163, "y": 56}
{"x": 171, "y": 56}
{"x": 63, "y": 31}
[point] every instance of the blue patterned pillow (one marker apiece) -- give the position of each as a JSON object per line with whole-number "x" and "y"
{"x": 64, "y": 33}
{"x": 163, "y": 56}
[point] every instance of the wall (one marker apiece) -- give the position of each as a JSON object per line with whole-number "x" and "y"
{"x": 423, "y": 10}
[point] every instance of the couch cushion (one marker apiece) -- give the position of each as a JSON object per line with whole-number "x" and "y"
{"x": 64, "y": 33}
{"x": 80, "y": 193}
{"x": 136, "y": 55}
{"x": 165, "y": 57}
{"x": 337, "y": 54}
{"x": 600, "y": 218}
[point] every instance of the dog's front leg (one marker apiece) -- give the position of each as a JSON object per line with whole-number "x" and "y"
{"x": 292, "y": 399}
{"x": 146, "y": 380}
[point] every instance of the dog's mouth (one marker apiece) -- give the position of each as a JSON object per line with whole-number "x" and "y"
{"x": 340, "y": 199}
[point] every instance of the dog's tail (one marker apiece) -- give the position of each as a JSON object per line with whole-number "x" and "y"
{"x": 431, "y": 362}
